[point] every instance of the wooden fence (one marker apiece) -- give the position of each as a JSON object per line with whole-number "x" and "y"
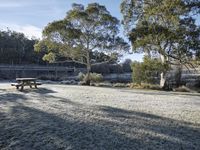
{"x": 13, "y": 71}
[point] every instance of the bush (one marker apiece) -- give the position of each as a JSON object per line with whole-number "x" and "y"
{"x": 81, "y": 76}
{"x": 94, "y": 77}
{"x": 137, "y": 75}
{"x": 147, "y": 71}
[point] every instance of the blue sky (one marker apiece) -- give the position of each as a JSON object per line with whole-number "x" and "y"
{"x": 31, "y": 16}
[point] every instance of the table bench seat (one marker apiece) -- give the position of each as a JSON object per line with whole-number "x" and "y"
{"x": 16, "y": 84}
{"x": 38, "y": 83}
{"x": 20, "y": 84}
{"x": 29, "y": 83}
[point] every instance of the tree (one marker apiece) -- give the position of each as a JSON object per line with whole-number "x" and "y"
{"x": 16, "y": 48}
{"x": 82, "y": 31}
{"x": 165, "y": 27}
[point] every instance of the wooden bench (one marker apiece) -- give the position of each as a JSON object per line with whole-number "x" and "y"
{"x": 17, "y": 85}
{"x": 26, "y": 82}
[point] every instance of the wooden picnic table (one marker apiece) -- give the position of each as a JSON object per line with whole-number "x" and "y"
{"x": 21, "y": 82}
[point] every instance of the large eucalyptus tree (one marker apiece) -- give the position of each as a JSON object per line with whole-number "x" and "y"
{"x": 166, "y": 27}
{"x": 83, "y": 31}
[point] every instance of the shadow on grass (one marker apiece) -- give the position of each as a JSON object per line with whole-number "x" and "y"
{"x": 165, "y": 93}
{"x": 11, "y": 97}
{"x": 111, "y": 128}
{"x": 43, "y": 95}
{"x": 18, "y": 97}
{"x": 32, "y": 128}
{"x": 183, "y": 135}
{"x": 38, "y": 91}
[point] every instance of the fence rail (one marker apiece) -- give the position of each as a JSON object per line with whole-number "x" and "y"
{"x": 36, "y": 68}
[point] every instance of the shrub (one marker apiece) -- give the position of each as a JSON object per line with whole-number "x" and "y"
{"x": 94, "y": 77}
{"x": 147, "y": 71}
{"x": 81, "y": 76}
{"x": 137, "y": 75}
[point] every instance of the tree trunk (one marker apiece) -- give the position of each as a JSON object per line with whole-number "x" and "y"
{"x": 87, "y": 78}
{"x": 162, "y": 79}
{"x": 163, "y": 74}
{"x": 178, "y": 75}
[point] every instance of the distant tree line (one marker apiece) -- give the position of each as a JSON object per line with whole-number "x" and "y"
{"x": 107, "y": 68}
{"x": 16, "y": 48}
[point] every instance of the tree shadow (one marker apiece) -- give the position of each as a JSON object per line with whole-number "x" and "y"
{"x": 11, "y": 97}
{"x": 109, "y": 128}
{"x": 157, "y": 93}
{"x": 184, "y": 134}
{"x": 61, "y": 100}
{"x": 32, "y": 128}
{"x": 41, "y": 91}
{"x": 43, "y": 95}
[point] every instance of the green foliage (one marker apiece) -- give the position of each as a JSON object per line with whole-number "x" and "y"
{"x": 16, "y": 48}
{"x": 94, "y": 77}
{"x": 137, "y": 75}
{"x": 147, "y": 71}
{"x": 82, "y": 32}
{"x": 49, "y": 57}
{"x": 165, "y": 27}
{"x": 81, "y": 76}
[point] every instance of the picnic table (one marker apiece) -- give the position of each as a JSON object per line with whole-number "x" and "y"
{"x": 21, "y": 82}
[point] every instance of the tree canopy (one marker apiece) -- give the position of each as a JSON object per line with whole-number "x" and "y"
{"x": 83, "y": 31}
{"x": 16, "y": 48}
{"x": 166, "y": 27}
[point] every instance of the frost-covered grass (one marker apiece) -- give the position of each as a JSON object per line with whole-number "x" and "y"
{"x": 81, "y": 117}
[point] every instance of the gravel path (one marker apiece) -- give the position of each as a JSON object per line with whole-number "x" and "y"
{"x": 77, "y": 117}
